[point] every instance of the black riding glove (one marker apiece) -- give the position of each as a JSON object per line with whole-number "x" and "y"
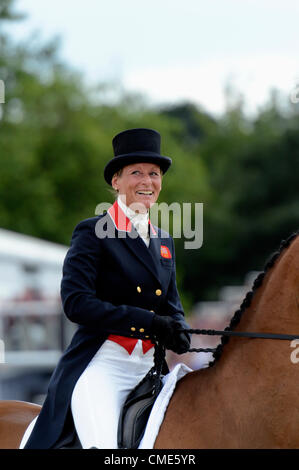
{"x": 165, "y": 329}
{"x": 181, "y": 342}
{"x": 182, "y": 339}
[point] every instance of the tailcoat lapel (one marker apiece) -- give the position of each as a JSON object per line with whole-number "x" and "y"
{"x": 155, "y": 245}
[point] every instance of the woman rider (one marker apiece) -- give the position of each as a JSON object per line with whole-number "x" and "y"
{"x": 119, "y": 286}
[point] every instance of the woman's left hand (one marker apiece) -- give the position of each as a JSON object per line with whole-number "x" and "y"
{"x": 181, "y": 343}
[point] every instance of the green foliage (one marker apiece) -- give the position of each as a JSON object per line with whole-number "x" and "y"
{"x": 55, "y": 139}
{"x": 7, "y": 12}
{"x": 252, "y": 168}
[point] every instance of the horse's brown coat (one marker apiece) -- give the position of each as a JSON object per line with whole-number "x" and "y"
{"x": 249, "y": 399}
{"x": 15, "y": 416}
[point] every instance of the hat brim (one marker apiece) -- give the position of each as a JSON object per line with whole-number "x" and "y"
{"x": 141, "y": 157}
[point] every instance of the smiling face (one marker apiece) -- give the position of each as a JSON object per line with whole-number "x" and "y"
{"x": 139, "y": 185}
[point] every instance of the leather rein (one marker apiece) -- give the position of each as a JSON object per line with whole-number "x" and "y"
{"x": 242, "y": 334}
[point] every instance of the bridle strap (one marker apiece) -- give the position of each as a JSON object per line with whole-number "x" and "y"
{"x": 244, "y": 334}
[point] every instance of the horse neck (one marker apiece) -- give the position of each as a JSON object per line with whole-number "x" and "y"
{"x": 257, "y": 376}
{"x": 248, "y": 398}
{"x": 273, "y": 307}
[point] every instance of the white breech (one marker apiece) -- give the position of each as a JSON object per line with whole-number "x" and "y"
{"x": 102, "y": 389}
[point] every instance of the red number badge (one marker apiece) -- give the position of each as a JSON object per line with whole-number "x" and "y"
{"x": 165, "y": 253}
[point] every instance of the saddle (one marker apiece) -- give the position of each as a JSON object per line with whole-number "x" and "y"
{"x": 138, "y": 405}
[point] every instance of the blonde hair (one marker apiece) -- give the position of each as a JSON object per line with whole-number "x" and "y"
{"x": 112, "y": 190}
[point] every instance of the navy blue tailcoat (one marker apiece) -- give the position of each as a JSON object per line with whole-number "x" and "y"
{"x": 112, "y": 284}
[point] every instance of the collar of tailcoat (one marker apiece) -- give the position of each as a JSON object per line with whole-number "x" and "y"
{"x": 121, "y": 221}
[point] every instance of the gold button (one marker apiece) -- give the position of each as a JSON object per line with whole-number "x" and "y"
{"x": 133, "y": 328}
{"x": 138, "y": 289}
{"x": 141, "y": 330}
{"x": 158, "y": 292}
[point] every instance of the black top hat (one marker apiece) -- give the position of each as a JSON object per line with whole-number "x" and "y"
{"x": 136, "y": 146}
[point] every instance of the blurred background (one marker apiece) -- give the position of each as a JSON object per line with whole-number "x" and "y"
{"x": 217, "y": 79}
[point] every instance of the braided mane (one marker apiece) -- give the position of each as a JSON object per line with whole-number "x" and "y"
{"x": 284, "y": 244}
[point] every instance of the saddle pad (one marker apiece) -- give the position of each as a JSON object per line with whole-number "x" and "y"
{"x": 27, "y": 433}
{"x": 158, "y": 411}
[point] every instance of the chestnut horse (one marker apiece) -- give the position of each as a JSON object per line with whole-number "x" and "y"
{"x": 248, "y": 397}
